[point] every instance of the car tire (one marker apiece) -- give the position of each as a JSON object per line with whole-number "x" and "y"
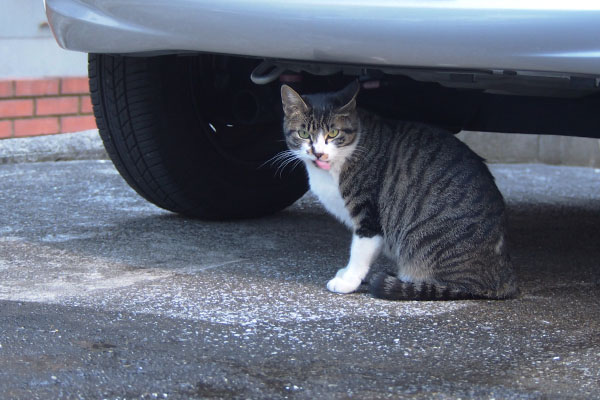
{"x": 174, "y": 153}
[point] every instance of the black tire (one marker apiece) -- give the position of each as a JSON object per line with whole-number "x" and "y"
{"x": 154, "y": 117}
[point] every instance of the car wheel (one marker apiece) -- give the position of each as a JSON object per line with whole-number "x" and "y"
{"x": 190, "y": 135}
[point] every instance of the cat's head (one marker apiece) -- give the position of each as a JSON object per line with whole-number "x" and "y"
{"x": 321, "y": 129}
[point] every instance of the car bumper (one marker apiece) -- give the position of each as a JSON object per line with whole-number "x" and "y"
{"x": 521, "y": 35}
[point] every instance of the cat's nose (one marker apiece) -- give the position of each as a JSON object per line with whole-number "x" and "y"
{"x": 318, "y": 155}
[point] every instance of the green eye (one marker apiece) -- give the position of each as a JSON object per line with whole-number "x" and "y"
{"x": 333, "y": 133}
{"x": 303, "y": 134}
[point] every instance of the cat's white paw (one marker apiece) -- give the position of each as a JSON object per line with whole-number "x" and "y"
{"x": 343, "y": 284}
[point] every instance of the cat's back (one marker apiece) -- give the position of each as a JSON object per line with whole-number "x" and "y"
{"x": 416, "y": 143}
{"x": 439, "y": 163}
{"x": 421, "y": 177}
{"x": 403, "y": 153}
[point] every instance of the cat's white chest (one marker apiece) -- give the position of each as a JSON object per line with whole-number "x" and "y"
{"x": 325, "y": 186}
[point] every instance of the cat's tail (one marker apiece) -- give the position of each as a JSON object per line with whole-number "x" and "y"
{"x": 389, "y": 287}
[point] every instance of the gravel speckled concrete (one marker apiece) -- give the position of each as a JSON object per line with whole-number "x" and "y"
{"x": 103, "y": 295}
{"x": 85, "y": 145}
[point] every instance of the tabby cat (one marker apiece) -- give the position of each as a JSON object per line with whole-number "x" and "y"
{"x": 410, "y": 190}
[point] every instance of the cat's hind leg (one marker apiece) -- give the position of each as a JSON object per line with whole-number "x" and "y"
{"x": 363, "y": 252}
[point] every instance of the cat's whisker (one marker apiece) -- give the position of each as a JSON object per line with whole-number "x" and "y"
{"x": 281, "y": 154}
{"x": 278, "y": 157}
{"x": 283, "y": 159}
{"x": 295, "y": 162}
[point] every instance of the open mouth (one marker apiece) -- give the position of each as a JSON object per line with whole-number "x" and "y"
{"x": 322, "y": 164}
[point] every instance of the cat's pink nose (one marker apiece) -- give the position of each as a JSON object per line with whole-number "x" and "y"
{"x": 320, "y": 155}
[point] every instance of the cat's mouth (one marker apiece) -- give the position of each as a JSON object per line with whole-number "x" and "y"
{"x": 322, "y": 164}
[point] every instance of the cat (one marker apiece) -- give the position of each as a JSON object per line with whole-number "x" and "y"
{"x": 409, "y": 190}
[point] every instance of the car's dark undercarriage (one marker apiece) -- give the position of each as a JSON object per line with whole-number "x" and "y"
{"x": 494, "y": 101}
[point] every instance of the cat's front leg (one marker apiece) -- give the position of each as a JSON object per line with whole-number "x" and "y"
{"x": 363, "y": 252}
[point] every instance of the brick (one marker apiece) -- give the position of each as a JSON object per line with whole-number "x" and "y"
{"x": 75, "y": 85}
{"x": 86, "y": 105}
{"x": 5, "y": 129}
{"x": 57, "y": 105}
{"x": 77, "y": 123}
{"x": 6, "y": 89}
{"x": 16, "y": 108}
{"x": 36, "y": 87}
{"x": 36, "y": 126}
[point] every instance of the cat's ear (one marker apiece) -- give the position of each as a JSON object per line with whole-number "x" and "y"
{"x": 348, "y": 97}
{"x": 292, "y": 101}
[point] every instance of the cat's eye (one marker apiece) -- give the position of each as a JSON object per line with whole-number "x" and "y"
{"x": 333, "y": 133}
{"x": 303, "y": 134}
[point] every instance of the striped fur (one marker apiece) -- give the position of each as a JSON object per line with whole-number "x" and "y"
{"x": 427, "y": 194}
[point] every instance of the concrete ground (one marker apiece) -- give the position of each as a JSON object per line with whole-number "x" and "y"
{"x": 103, "y": 295}
{"x": 85, "y": 145}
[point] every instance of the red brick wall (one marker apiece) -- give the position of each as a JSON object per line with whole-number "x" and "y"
{"x": 31, "y": 107}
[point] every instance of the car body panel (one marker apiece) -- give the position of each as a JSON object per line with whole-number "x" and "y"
{"x": 527, "y": 35}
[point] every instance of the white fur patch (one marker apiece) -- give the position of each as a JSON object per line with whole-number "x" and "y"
{"x": 363, "y": 253}
{"x": 324, "y": 185}
{"x": 321, "y": 146}
{"x": 499, "y": 245}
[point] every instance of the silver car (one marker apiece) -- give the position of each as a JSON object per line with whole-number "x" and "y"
{"x": 186, "y": 92}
